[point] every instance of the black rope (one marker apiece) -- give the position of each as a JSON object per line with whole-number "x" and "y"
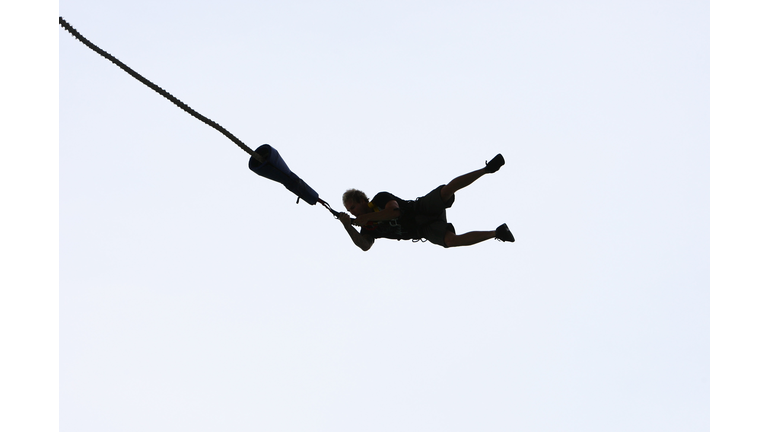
{"x": 171, "y": 98}
{"x": 154, "y": 87}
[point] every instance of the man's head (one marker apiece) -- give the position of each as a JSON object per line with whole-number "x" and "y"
{"x": 356, "y": 202}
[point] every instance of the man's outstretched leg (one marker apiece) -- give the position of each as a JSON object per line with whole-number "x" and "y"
{"x": 467, "y": 179}
{"x": 502, "y": 233}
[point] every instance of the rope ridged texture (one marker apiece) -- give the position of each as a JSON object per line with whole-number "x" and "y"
{"x": 156, "y": 88}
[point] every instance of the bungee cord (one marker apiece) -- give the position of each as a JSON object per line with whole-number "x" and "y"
{"x": 264, "y": 161}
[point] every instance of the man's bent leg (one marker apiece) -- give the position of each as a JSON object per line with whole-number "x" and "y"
{"x": 460, "y": 182}
{"x": 467, "y": 179}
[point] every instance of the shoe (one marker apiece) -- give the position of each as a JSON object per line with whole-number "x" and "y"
{"x": 503, "y": 234}
{"x": 494, "y": 164}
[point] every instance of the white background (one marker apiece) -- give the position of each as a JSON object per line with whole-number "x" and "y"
{"x": 196, "y": 295}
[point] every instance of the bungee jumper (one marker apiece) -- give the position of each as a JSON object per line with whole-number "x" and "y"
{"x": 387, "y": 216}
{"x": 384, "y": 216}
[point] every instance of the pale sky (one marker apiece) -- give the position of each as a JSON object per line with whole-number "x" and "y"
{"x": 195, "y": 295}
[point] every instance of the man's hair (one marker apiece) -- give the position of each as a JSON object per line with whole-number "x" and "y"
{"x": 354, "y": 195}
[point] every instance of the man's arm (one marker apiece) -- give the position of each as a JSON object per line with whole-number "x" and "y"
{"x": 389, "y": 212}
{"x": 364, "y": 242}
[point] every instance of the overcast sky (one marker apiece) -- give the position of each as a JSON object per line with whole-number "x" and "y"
{"x": 196, "y": 295}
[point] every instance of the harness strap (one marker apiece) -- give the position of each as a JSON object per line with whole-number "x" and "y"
{"x": 326, "y": 205}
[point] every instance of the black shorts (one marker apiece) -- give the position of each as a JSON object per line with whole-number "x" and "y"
{"x": 429, "y": 212}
